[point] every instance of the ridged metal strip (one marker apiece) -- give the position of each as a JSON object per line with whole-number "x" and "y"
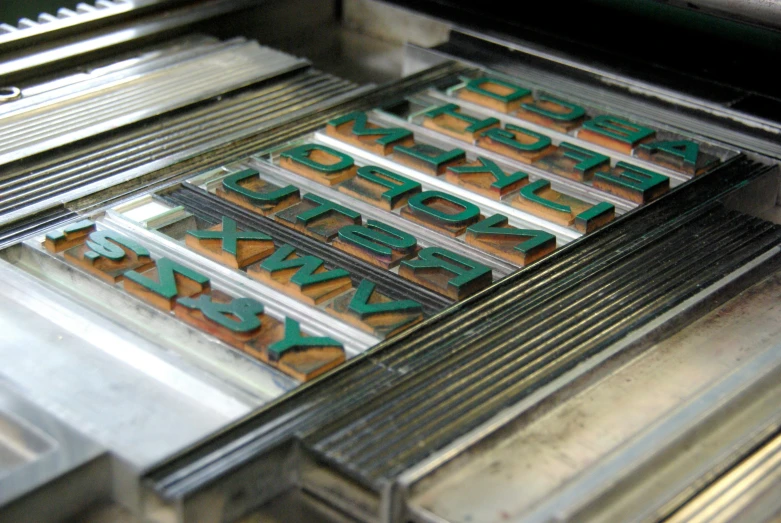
{"x": 190, "y": 130}
{"x": 78, "y": 114}
{"x": 105, "y": 7}
{"x": 746, "y": 486}
{"x": 486, "y": 369}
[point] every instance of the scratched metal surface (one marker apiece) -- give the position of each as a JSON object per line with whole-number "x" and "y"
{"x": 509, "y": 475}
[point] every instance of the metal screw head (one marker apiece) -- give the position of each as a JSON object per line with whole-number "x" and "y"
{"x": 8, "y": 94}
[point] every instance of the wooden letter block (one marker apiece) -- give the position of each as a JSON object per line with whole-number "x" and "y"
{"x": 319, "y": 163}
{"x": 446, "y": 273}
{"x": 234, "y": 321}
{"x": 518, "y": 246}
{"x": 304, "y": 357}
{"x": 573, "y": 162}
{"x": 516, "y": 142}
{"x": 109, "y": 255}
{"x": 553, "y": 113}
{"x": 375, "y": 313}
{"x": 683, "y": 156}
{"x": 303, "y": 277}
{"x": 495, "y": 94}
{"x": 448, "y": 119}
{"x": 228, "y": 245}
{"x": 163, "y": 284}
{"x": 540, "y": 199}
{"x": 377, "y": 243}
{"x": 354, "y": 129}
{"x": 486, "y": 178}
{"x": 615, "y": 133}
{"x": 442, "y": 212}
{"x": 427, "y": 158}
{"x": 249, "y": 190}
{"x": 380, "y": 187}
{"x": 70, "y": 235}
{"x": 633, "y": 183}
{"x": 317, "y": 217}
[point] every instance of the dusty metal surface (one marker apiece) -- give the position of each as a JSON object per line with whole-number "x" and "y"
{"x": 508, "y": 476}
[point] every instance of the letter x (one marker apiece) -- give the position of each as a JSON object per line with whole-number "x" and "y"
{"x": 229, "y": 235}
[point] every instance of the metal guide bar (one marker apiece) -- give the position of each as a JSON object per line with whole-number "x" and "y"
{"x": 173, "y": 136}
{"x": 83, "y": 11}
{"x": 364, "y": 386}
{"x": 583, "y": 315}
{"x": 748, "y": 486}
{"x": 661, "y": 468}
{"x": 213, "y": 209}
{"x": 99, "y": 74}
{"x": 80, "y": 115}
{"x": 76, "y": 36}
{"x": 30, "y": 226}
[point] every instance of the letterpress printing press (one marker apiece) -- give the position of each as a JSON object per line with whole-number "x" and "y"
{"x": 362, "y": 260}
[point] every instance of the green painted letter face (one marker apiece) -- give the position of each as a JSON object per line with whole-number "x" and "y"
{"x": 432, "y": 158}
{"x": 528, "y": 239}
{"x": 229, "y": 235}
{"x": 302, "y": 154}
{"x": 464, "y": 211}
{"x": 587, "y": 160}
{"x": 618, "y": 129}
{"x": 632, "y": 182}
{"x": 488, "y": 166}
{"x": 378, "y": 238}
{"x": 239, "y": 316}
{"x": 570, "y": 112}
{"x": 306, "y": 275}
{"x": 475, "y": 124}
{"x": 107, "y": 244}
{"x": 510, "y": 92}
{"x": 530, "y": 193}
{"x": 687, "y": 150}
{"x": 167, "y": 270}
{"x": 386, "y": 135}
{"x": 505, "y": 137}
{"x": 294, "y": 341}
{"x": 398, "y": 186}
{"x": 323, "y": 208}
{"x": 467, "y": 275}
{"x": 231, "y": 184}
{"x": 79, "y": 226}
{"x": 361, "y": 306}
{"x": 635, "y": 177}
